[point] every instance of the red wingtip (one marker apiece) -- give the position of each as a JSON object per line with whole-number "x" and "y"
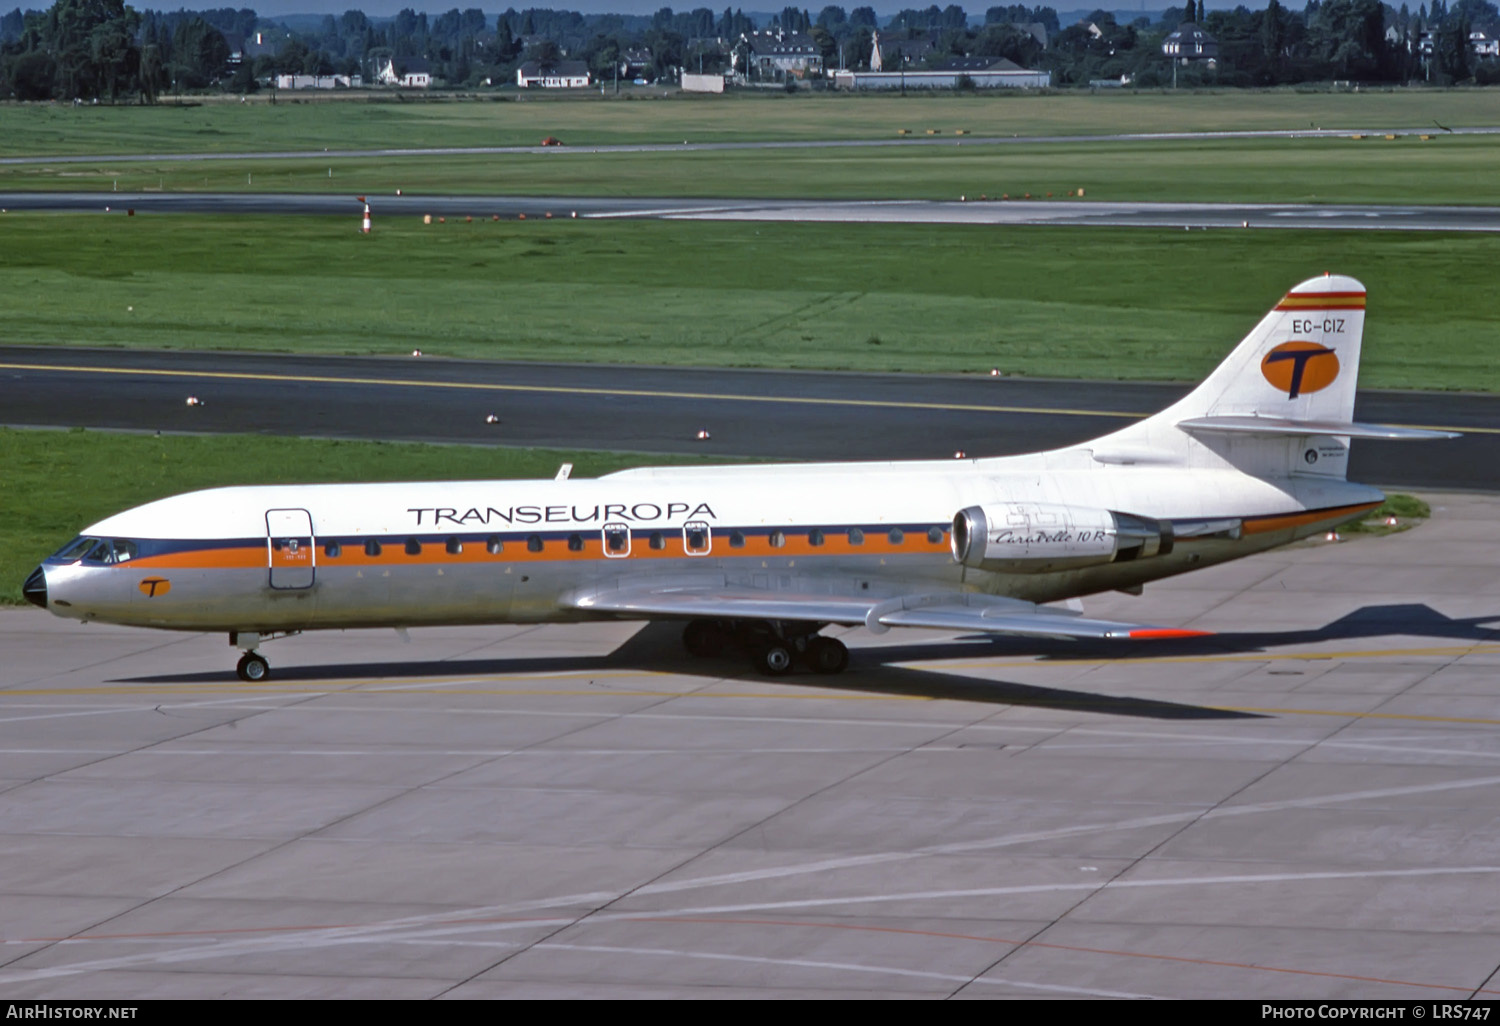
{"x": 1168, "y": 632}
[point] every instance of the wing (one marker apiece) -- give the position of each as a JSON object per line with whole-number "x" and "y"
{"x": 956, "y": 611}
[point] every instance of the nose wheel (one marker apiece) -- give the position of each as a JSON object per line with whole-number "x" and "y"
{"x": 253, "y": 667}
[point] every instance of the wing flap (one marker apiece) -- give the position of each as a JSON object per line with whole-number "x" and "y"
{"x": 1043, "y": 623}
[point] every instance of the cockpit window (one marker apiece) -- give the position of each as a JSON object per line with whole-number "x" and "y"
{"x": 75, "y": 549}
{"x": 98, "y": 550}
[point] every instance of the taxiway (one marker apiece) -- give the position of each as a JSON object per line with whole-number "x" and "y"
{"x": 1306, "y": 805}
{"x": 748, "y": 413}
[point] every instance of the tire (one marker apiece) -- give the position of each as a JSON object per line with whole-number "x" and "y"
{"x": 827, "y": 655}
{"x": 704, "y": 638}
{"x": 253, "y": 668}
{"x": 774, "y": 660}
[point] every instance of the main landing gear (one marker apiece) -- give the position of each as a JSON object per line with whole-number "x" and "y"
{"x": 773, "y": 647}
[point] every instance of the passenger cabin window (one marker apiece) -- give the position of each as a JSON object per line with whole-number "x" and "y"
{"x": 575, "y": 543}
{"x": 935, "y": 535}
{"x": 454, "y": 546}
{"x": 493, "y": 545}
{"x": 332, "y": 549}
{"x": 617, "y": 539}
{"x": 736, "y": 539}
{"x": 815, "y": 537}
{"x": 372, "y": 547}
{"x": 896, "y": 536}
{"x": 413, "y": 547}
{"x": 856, "y": 536}
{"x": 697, "y": 540}
{"x": 533, "y": 543}
{"x": 657, "y": 541}
{"x": 777, "y": 539}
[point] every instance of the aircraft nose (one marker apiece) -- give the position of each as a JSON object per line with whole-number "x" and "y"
{"x": 35, "y": 588}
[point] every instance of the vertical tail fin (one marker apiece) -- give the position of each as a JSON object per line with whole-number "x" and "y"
{"x": 1300, "y": 363}
{"x": 1277, "y": 402}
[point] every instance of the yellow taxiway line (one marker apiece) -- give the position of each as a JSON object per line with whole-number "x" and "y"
{"x": 316, "y": 379}
{"x": 565, "y": 390}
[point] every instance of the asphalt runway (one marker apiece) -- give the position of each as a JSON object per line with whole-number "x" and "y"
{"x": 1305, "y": 806}
{"x": 748, "y": 413}
{"x": 986, "y": 211}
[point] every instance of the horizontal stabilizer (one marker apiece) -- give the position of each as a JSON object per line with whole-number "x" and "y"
{"x": 955, "y": 611}
{"x": 1287, "y": 426}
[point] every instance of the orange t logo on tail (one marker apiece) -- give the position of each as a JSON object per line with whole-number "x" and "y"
{"x": 1297, "y": 367}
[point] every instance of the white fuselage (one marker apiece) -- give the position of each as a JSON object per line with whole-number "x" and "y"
{"x": 299, "y": 557}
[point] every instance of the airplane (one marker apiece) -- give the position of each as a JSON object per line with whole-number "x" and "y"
{"x": 763, "y": 558}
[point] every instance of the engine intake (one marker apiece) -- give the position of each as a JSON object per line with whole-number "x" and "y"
{"x": 1034, "y": 538}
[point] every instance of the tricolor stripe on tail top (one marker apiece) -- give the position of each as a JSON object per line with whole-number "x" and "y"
{"x": 1322, "y": 301}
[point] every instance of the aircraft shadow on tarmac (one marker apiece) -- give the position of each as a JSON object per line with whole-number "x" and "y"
{"x": 876, "y": 671}
{"x": 657, "y": 646}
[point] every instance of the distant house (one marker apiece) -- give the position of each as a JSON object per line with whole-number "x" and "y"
{"x": 775, "y": 53}
{"x": 407, "y": 72}
{"x": 980, "y": 72}
{"x": 553, "y": 75}
{"x": 635, "y": 62}
{"x": 1035, "y": 29}
{"x": 1483, "y": 45}
{"x": 1190, "y": 43}
{"x": 973, "y": 65}
{"x": 319, "y": 81}
{"x": 892, "y": 54}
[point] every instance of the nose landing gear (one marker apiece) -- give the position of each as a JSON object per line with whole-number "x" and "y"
{"x": 253, "y": 667}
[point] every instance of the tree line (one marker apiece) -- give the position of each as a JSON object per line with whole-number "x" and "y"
{"x": 106, "y": 50}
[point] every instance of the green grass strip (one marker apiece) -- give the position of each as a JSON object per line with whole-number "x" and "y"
{"x": 310, "y": 120}
{"x": 1054, "y": 302}
{"x": 1447, "y": 170}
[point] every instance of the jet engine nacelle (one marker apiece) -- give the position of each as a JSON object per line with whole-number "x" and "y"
{"x": 1034, "y": 537}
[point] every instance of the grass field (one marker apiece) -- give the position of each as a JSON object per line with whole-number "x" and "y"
{"x": 1058, "y": 302}
{"x": 1445, "y": 169}
{"x": 380, "y": 120}
{"x": 42, "y": 505}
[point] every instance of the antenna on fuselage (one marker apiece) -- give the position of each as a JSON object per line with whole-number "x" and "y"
{"x": 563, "y": 472}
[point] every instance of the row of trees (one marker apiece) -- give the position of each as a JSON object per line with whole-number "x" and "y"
{"x": 1350, "y": 40}
{"x": 104, "y": 49}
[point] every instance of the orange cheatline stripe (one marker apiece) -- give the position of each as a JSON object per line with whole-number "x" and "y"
{"x": 240, "y": 557}
{"x": 796, "y": 544}
{"x": 1260, "y": 525}
{"x": 435, "y": 554}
